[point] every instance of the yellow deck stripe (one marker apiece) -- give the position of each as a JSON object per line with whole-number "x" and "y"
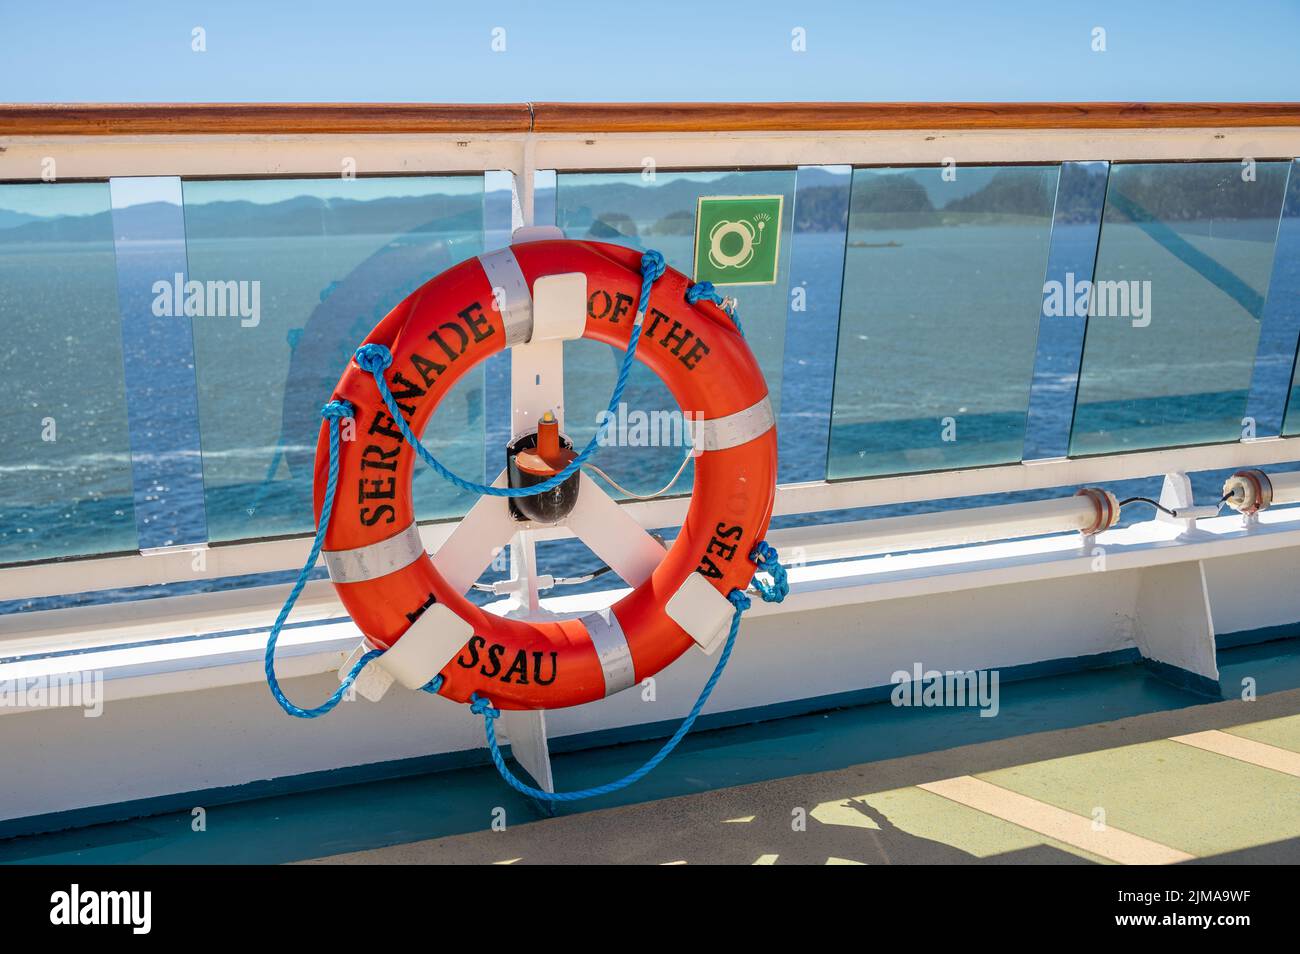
{"x": 1121, "y": 846}
{"x": 1244, "y": 750}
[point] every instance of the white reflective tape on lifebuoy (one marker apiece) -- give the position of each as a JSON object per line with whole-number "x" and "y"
{"x": 612, "y": 650}
{"x": 721, "y": 433}
{"x": 376, "y": 560}
{"x": 510, "y": 294}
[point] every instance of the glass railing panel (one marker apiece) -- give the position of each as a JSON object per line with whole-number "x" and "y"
{"x": 1282, "y": 321}
{"x": 325, "y": 260}
{"x": 158, "y": 353}
{"x": 64, "y": 444}
{"x": 658, "y": 210}
{"x": 1175, "y": 309}
{"x": 943, "y": 284}
{"x": 820, "y": 230}
{"x": 1076, "y": 224}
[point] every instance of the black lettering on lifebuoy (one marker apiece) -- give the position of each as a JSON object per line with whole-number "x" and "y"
{"x": 385, "y": 425}
{"x": 405, "y": 389}
{"x": 517, "y": 673}
{"x": 717, "y": 546}
{"x": 428, "y": 370}
{"x": 622, "y": 305}
{"x": 693, "y": 355}
{"x": 537, "y": 668}
{"x": 604, "y": 309}
{"x": 495, "y": 652}
{"x": 518, "y": 668}
{"x": 375, "y": 457}
{"x": 419, "y": 610}
{"x": 676, "y": 337}
{"x": 436, "y": 337}
{"x": 656, "y": 317}
{"x": 724, "y": 550}
{"x": 477, "y": 322}
{"x": 371, "y": 515}
{"x": 381, "y": 488}
{"x": 473, "y": 646}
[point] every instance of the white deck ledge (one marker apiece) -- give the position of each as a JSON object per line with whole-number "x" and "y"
{"x": 179, "y": 665}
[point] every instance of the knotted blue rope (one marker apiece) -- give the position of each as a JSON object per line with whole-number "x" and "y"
{"x": 333, "y": 412}
{"x": 374, "y": 358}
{"x": 706, "y": 291}
{"x": 482, "y": 705}
{"x": 766, "y": 557}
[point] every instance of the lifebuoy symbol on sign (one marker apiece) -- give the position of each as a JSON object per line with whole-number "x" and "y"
{"x": 748, "y": 239}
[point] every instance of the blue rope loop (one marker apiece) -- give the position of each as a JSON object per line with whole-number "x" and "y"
{"x": 765, "y": 557}
{"x": 706, "y": 291}
{"x": 482, "y": 705}
{"x": 653, "y": 266}
{"x": 375, "y": 358}
{"x": 333, "y": 413}
{"x": 337, "y": 410}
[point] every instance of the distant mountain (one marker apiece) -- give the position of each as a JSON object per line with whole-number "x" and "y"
{"x": 1009, "y": 192}
{"x": 630, "y": 210}
{"x": 10, "y": 219}
{"x": 626, "y": 209}
{"x": 150, "y": 221}
{"x": 307, "y": 215}
{"x": 301, "y": 215}
{"x": 63, "y": 228}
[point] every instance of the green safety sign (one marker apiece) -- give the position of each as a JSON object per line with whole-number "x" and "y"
{"x": 738, "y": 239}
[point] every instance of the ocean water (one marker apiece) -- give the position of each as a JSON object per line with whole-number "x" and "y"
{"x": 937, "y": 322}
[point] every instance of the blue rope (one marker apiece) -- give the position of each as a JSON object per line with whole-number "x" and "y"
{"x": 374, "y": 358}
{"x": 765, "y": 555}
{"x": 333, "y": 412}
{"x": 706, "y": 291}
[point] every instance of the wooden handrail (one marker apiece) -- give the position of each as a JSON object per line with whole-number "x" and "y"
{"x": 136, "y": 119}
{"x": 162, "y": 119}
{"x": 829, "y": 117}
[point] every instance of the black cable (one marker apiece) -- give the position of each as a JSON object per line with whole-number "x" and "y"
{"x": 1147, "y": 500}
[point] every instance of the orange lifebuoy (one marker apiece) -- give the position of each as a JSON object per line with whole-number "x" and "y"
{"x": 440, "y": 332}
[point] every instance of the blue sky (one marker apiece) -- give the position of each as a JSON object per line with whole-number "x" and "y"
{"x": 701, "y": 50}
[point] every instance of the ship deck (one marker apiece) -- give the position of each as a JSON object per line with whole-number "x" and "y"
{"x": 1103, "y": 766}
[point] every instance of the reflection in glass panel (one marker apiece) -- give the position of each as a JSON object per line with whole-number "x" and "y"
{"x": 659, "y": 212}
{"x": 1174, "y": 317}
{"x": 331, "y": 257}
{"x": 943, "y": 284}
{"x": 1282, "y": 314}
{"x": 1076, "y": 223}
{"x": 158, "y": 351}
{"x": 64, "y": 449}
{"x": 821, "y": 225}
